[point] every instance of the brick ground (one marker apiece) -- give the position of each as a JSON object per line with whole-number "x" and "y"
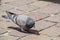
{"x": 46, "y": 15}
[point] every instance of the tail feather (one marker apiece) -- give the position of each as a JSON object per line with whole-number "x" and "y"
{"x": 10, "y": 13}
{"x": 5, "y": 16}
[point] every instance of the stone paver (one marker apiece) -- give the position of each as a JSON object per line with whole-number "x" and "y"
{"x": 26, "y": 8}
{"x": 56, "y": 38}
{"x": 35, "y": 37}
{"x": 8, "y": 38}
{"x": 17, "y": 33}
{"x": 2, "y": 31}
{"x": 41, "y": 4}
{"x": 43, "y": 25}
{"x": 5, "y": 24}
{"x": 37, "y": 15}
{"x": 50, "y": 9}
{"x": 54, "y": 18}
{"x": 2, "y": 13}
{"x": 4, "y": 1}
{"x": 6, "y": 7}
{"x": 58, "y": 25}
{"x": 16, "y": 11}
{"x": 20, "y": 2}
{"x": 23, "y": 7}
{"x": 46, "y": 15}
{"x": 52, "y": 31}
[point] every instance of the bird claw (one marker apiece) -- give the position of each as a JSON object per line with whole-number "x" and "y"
{"x": 25, "y": 31}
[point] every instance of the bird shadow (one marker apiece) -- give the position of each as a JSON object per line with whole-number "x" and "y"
{"x": 54, "y": 1}
{"x": 36, "y": 32}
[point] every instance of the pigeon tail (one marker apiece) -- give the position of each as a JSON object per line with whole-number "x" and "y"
{"x": 10, "y": 15}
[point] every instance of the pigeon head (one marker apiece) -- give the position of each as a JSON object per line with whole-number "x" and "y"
{"x": 30, "y": 23}
{"x": 28, "y": 26}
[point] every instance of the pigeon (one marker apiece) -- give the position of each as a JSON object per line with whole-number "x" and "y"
{"x": 23, "y": 21}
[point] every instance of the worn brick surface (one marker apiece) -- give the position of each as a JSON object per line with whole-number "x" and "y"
{"x": 6, "y": 7}
{"x": 52, "y": 31}
{"x": 4, "y": 1}
{"x": 41, "y": 4}
{"x": 27, "y": 8}
{"x": 35, "y": 37}
{"x": 43, "y": 25}
{"x": 50, "y": 9}
{"x": 8, "y": 38}
{"x": 56, "y": 38}
{"x": 23, "y": 8}
{"x": 2, "y": 31}
{"x": 58, "y": 24}
{"x": 6, "y": 24}
{"x": 17, "y": 33}
{"x": 16, "y": 11}
{"x": 21, "y": 2}
{"x": 2, "y": 13}
{"x": 54, "y": 18}
{"x": 46, "y": 14}
{"x": 37, "y": 15}
{"x": 12, "y": 9}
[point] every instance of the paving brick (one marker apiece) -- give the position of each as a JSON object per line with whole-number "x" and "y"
{"x": 54, "y": 18}
{"x": 6, "y": 7}
{"x": 53, "y": 8}
{"x": 40, "y": 3}
{"x": 17, "y": 33}
{"x": 21, "y": 2}
{"x": 2, "y": 13}
{"x": 25, "y": 8}
{"x": 37, "y": 15}
{"x": 52, "y": 31}
{"x": 4, "y": 1}
{"x": 3, "y": 24}
{"x": 2, "y": 31}
{"x": 43, "y": 25}
{"x": 14, "y": 10}
{"x": 58, "y": 25}
{"x": 35, "y": 37}
{"x": 50, "y": 9}
{"x": 37, "y": 11}
{"x": 56, "y": 38}
{"x": 8, "y": 38}
{"x": 7, "y": 23}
